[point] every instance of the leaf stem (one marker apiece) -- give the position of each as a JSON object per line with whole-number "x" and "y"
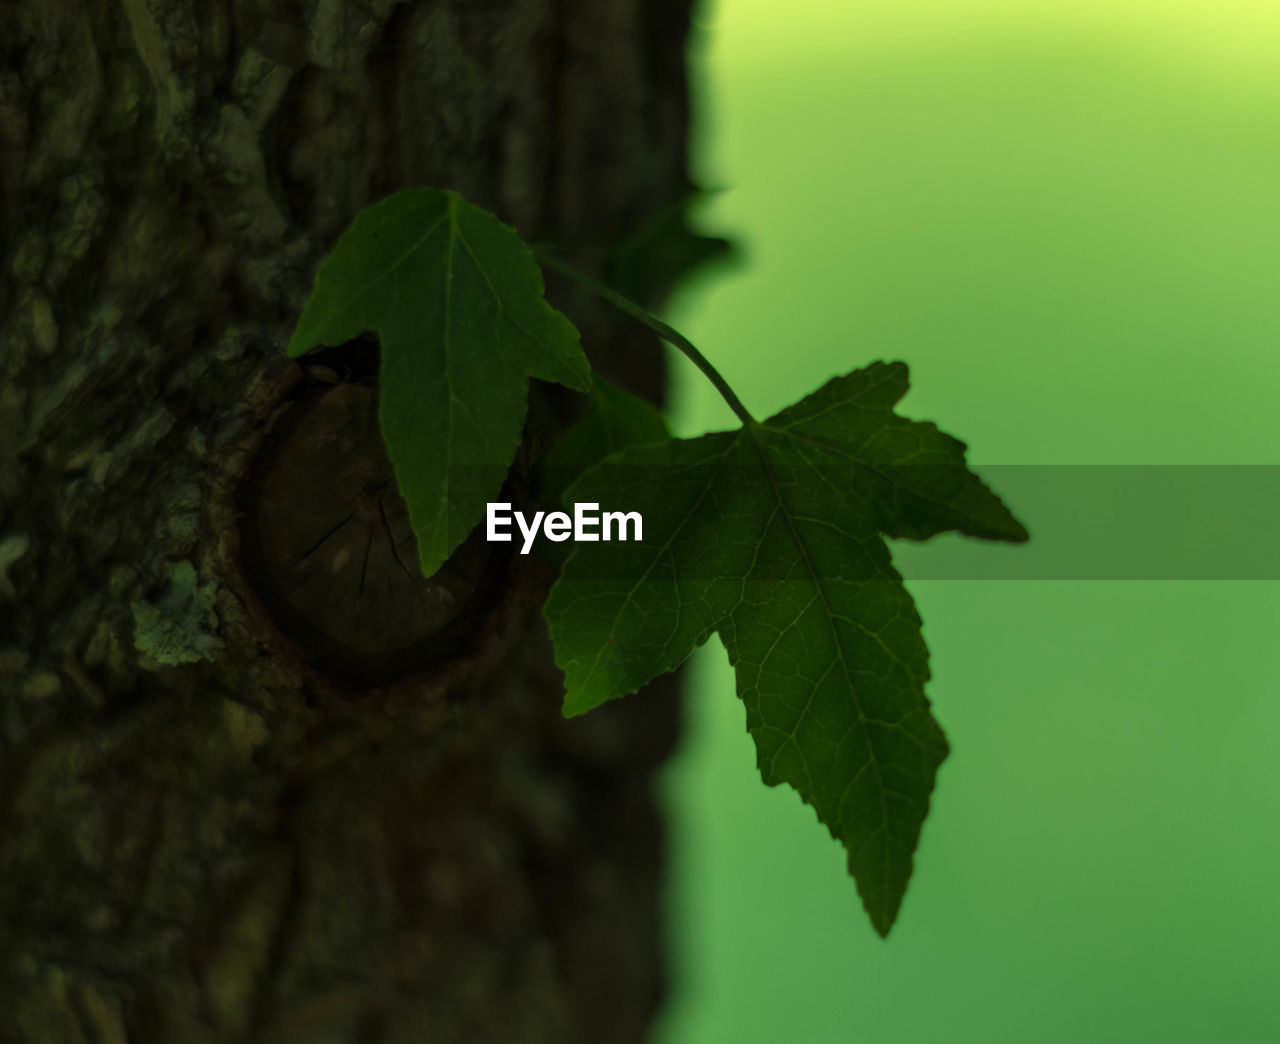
{"x": 664, "y": 330}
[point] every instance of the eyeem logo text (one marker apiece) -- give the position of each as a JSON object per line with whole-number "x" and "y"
{"x": 587, "y": 525}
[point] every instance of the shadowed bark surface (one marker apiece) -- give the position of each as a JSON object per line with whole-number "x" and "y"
{"x": 205, "y": 833}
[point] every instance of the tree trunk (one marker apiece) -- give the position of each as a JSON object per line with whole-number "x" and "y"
{"x": 208, "y": 832}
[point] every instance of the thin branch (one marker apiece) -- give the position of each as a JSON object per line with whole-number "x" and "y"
{"x": 662, "y": 329}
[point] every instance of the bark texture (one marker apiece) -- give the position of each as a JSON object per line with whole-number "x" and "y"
{"x": 203, "y": 837}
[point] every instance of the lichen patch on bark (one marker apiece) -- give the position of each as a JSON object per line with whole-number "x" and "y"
{"x": 181, "y": 625}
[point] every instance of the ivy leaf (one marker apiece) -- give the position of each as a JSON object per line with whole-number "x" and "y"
{"x": 455, "y": 298}
{"x": 773, "y": 536}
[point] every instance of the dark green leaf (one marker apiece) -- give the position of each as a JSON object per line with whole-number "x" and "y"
{"x": 614, "y": 420}
{"x": 664, "y": 251}
{"x": 456, "y": 300}
{"x": 773, "y": 535}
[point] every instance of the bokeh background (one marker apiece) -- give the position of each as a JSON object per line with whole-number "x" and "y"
{"x": 1065, "y": 216}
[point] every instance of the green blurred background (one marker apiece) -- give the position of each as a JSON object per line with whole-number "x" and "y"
{"x": 1064, "y": 216}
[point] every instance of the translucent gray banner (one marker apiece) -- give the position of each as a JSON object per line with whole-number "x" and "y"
{"x": 1119, "y": 522}
{"x": 1087, "y": 522}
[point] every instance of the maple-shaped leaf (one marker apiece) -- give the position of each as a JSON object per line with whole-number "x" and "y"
{"x": 613, "y": 420}
{"x": 773, "y": 536}
{"x": 455, "y": 298}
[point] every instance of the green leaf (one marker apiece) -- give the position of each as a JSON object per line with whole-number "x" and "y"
{"x": 664, "y": 251}
{"x": 455, "y": 298}
{"x": 773, "y": 536}
{"x": 614, "y": 420}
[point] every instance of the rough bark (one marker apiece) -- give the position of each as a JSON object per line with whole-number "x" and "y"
{"x": 203, "y": 835}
